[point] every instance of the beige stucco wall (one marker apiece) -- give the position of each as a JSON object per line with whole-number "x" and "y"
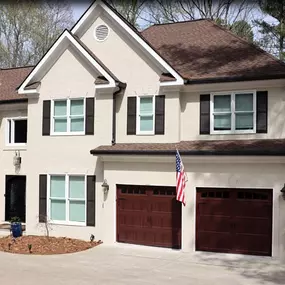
{"x": 65, "y": 154}
{"x": 131, "y": 66}
{"x": 207, "y": 174}
{"x": 7, "y": 152}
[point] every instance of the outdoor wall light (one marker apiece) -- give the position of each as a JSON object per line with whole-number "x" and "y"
{"x": 105, "y": 186}
{"x": 283, "y": 191}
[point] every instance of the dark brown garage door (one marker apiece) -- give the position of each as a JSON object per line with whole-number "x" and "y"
{"x": 234, "y": 220}
{"x": 148, "y": 215}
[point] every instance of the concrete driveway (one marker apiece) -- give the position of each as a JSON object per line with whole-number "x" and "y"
{"x": 125, "y": 264}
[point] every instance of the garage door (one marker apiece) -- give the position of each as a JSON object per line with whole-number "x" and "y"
{"x": 234, "y": 220}
{"x": 148, "y": 215}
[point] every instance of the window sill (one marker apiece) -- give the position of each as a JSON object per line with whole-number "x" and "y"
{"x": 15, "y": 147}
{"x": 232, "y": 132}
{"x": 66, "y": 134}
{"x": 145, "y": 134}
{"x": 59, "y": 223}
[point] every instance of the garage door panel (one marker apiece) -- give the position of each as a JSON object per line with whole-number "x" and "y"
{"x": 220, "y": 242}
{"x": 131, "y": 204}
{"x": 252, "y": 225}
{"x": 252, "y": 208}
{"x": 135, "y": 219}
{"x": 166, "y": 238}
{"x": 217, "y": 207}
{"x": 135, "y": 235}
{"x": 255, "y": 244}
{"x": 215, "y": 223}
{"x": 162, "y": 205}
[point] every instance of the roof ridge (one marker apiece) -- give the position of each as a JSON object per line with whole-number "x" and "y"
{"x": 248, "y": 43}
{"x": 179, "y": 22}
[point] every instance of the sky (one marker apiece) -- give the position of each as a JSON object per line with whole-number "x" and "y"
{"x": 79, "y": 7}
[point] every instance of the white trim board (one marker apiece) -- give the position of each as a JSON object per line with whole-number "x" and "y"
{"x": 133, "y": 35}
{"x": 61, "y": 45}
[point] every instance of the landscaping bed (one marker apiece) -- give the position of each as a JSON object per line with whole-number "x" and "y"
{"x": 43, "y": 245}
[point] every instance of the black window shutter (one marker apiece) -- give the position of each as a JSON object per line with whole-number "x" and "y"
{"x": 46, "y": 118}
{"x": 42, "y": 198}
{"x": 261, "y": 111}
{"x": 159, "y": 114}
{"x": 205, "y": 114}
{"x": 91, "y": 180}
{"x": 89, "y": 119}
{"x": 132, "y": 116}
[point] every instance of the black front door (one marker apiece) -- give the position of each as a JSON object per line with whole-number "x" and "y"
{"x": 15, "y": 205}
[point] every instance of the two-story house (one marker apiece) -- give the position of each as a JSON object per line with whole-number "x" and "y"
{"x": 97, "y": 122}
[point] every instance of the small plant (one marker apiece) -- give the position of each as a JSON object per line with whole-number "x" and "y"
{"x": 15, "y": 220}
{"x": 30, "y": 248}
{"x": 46, "y": 223}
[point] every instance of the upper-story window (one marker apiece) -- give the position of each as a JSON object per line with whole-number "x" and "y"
{"x": 16, "y": 131}
{"x": 68, "y": 116}
{"x": 233, "y": 112}
{"x": 145, "y": 115}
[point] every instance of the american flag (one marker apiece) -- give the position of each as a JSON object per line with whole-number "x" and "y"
{"x": 181, "y": 179}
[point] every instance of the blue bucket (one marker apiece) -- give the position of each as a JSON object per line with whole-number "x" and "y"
{"x": 16, "y": 229}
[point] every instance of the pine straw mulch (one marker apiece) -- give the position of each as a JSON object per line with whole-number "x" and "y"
{"x": 42, "y": 245}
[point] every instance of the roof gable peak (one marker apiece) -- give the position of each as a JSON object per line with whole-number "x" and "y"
{"x": 58, "y": 47}
{"x": 95, "y": 9}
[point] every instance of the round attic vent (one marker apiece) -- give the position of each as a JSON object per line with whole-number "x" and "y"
{"x": 101, "y": 33}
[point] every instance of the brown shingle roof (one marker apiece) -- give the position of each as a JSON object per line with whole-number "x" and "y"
{"x": 202, "y": 50}
{"x": 10, "y": 79}
{"x": 201, "y": 147}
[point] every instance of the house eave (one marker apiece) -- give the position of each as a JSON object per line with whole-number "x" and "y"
{"x": 243, "y": 152}
{"x": 233, "y": 79}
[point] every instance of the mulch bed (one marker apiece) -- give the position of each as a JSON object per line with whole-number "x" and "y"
{"x": 42, "y": 245}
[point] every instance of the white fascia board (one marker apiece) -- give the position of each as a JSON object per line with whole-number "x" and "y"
{"x": 151, "y": 51}
{"x": 172, "y": 83}
{"x": 65, "y": 35}
{"x": 28, "y": 92}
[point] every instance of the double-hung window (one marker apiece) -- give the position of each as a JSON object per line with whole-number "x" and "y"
{"x": 145, "y": 115}
{"x": 233, "y": 112}
{"x": 68, "y": 116}
{"x": 67, "y": 199}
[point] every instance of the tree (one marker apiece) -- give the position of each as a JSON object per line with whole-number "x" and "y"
{"x": 243, "y": 29}
{"x": 131, "y": 10}
{"x": 273, "y": 33}
{"x": 28, "y": 29}
{"x": 229, "y": 11}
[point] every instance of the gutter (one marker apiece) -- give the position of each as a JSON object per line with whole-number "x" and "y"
{"x": 120, "y": 85}
{"x": 14, "y": 101}
{"x": 233, "y": 79}
{"x": 242, "y": 152}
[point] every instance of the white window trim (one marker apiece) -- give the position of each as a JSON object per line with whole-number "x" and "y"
{"x": 67, "y": 199}
{"x": 232, "y": 131}
{"x": 139, "y": 132}
{"x": 68, "y": 132}
{"x": 13, "y": 130}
